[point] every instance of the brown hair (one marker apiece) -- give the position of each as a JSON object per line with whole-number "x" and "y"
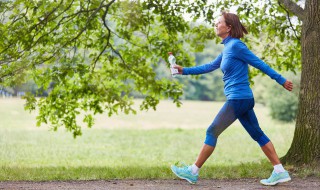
{"x": 237, "y": 29}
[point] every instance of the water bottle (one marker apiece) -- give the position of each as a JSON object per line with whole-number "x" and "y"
{"x": 172, "y": 61}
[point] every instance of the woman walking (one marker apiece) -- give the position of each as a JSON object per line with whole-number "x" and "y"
{"x": 233, "y": 62}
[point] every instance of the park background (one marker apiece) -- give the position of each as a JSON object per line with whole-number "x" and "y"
{"x": 144, "y": 145}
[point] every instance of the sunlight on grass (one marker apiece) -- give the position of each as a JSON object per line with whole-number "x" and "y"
{"x": 128, "y": 146}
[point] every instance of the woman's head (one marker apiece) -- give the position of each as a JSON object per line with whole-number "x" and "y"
{"x": 229, "y": 25}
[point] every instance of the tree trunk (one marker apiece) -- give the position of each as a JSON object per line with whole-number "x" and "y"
{"x": 305, "y": 147}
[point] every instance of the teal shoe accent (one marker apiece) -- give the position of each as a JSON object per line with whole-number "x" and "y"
{"x": 276, "y": 178}
{"x": 185, "y": 173}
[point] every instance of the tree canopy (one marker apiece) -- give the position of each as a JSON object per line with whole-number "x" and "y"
{"x": 93, "y": 54}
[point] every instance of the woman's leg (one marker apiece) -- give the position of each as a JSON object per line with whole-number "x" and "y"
{"x": 250, "y": 123}
{"x": 270, "y": 152}
{"x": 224, "y": 119}
{"x": 204, "y": 154}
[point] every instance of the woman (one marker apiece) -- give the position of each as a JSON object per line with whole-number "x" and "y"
{"x": 233, "y": 62}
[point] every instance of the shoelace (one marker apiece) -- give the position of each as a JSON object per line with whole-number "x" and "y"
{"x": 273, "y": 175}
{"x": 184, "y": 166}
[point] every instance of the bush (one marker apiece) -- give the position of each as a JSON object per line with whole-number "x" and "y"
{"x": 282, "y": 103}
{"x": 283, "y": 106}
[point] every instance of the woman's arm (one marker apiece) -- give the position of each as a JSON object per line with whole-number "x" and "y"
{"x": 213, "y": 65}
{"x": 247, "y": 56}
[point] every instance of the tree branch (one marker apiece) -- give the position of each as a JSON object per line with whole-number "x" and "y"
{"x": 25, "y": 66}
{"x": 42, "y": 22}
{"x": 98, "y": 57}
{"x": 86, "y": 25}
{"x": 17, "y": 18}
{"x": 288, "y": 17}
{"x": 109, "y": 34}
{"x": 108, "y": 38}
{"x": 294, "y": 8}
{"x": 41, "y": 29}
{"x": 46, "y": 17}
{"x": 53, "y": 54}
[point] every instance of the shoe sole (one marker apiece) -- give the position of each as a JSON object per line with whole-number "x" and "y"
{"x": 276, "y": 182}
{"x": 181, "y": 177}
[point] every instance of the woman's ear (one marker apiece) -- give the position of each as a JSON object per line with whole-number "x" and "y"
{"x": 229, "y": 28}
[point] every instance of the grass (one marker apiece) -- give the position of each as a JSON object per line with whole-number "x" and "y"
{"x": 132, "y": 147}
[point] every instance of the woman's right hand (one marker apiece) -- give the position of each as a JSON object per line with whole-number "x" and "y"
{"x": 180, "y": 69}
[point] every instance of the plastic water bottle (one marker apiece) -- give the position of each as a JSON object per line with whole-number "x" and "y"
{"x": 172, "y": 61}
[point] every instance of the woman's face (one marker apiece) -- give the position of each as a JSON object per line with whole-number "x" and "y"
{"x": 222, "y": 29}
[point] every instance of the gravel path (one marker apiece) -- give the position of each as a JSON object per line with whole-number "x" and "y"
{"x": 310, "y": 183}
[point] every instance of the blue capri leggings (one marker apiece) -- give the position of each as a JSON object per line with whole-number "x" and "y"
{"x": 233, "y": 109}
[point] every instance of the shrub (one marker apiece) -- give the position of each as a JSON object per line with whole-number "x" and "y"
{"x": 283, "y": 106}
{"x": 282, "y": 103}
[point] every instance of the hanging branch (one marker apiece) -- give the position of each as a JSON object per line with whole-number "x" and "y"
{"x": 109, "y": 34}
{"x": 288, "y": 16}
{"x": 294, "y": 8}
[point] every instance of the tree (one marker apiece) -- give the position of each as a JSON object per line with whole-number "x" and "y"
{"x": 71, "y": 46}
{"x": 305, "y": 148}
{"x": 92, "y": 54}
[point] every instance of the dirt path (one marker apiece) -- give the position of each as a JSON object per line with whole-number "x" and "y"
{"x": 310, "y": 183}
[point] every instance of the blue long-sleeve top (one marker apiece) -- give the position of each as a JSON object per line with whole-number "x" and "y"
{"x": 233, "y": 62}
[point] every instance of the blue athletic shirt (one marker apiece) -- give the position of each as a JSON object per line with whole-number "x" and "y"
{"x": 233, "y": 62}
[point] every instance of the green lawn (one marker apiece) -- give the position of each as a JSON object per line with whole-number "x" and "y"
{"x": 127, "y": 146}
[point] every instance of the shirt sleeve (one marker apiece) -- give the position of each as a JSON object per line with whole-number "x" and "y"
{"x": 206, "y": 68}
{"x": 247, "y": 56}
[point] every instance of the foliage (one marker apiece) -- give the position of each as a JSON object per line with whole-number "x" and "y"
{"x": 93, "y": 54}
{"x": 73, "y": 47}
{"x": 283, "y": 104}
{"x": 284, "y": 108}
{"x": 208, "y": 86}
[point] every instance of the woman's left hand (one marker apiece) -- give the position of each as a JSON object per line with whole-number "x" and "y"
{"x": 288, "y": 85}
